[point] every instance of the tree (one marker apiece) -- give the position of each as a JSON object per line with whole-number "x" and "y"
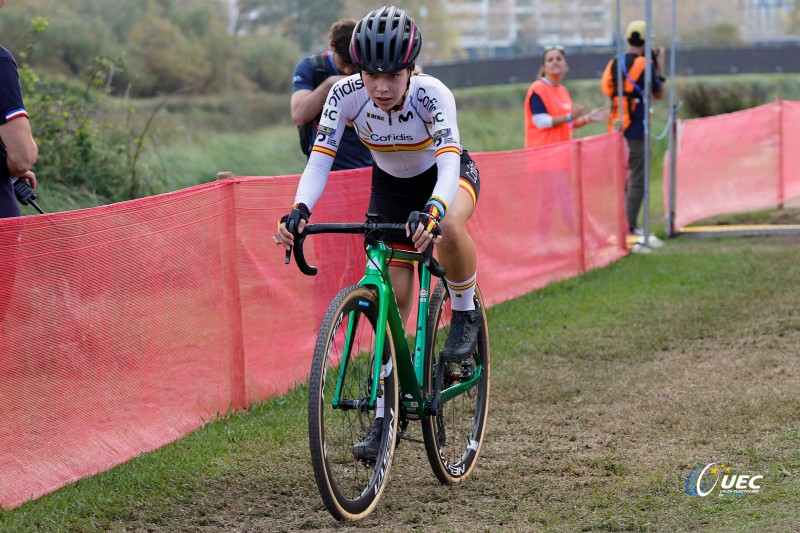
{"x": 306, "y": 22}
{"x": 163, "y": 58}
{"x": 793, "y": 22}
{"x": 716, "y": 35}
{"x": 269, "y": 61}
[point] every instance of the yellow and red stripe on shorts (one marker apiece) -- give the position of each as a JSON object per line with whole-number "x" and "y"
{"x": 465, "y": 184}
{"x": 407, "y": 264}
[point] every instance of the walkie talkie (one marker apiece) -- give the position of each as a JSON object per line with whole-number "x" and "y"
{"x": 25, "y": 194}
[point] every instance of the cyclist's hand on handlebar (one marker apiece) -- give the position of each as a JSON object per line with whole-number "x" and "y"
{"x": 423, "y": 227}
{"x": 290, "y": 225}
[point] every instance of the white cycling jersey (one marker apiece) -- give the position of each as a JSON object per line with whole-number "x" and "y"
{"x": 404, "y": 142}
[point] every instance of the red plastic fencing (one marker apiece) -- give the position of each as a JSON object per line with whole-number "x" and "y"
{"x": 121, "y": 334}
{"x": 125, "y": 327}
{"x": 717, "y": 173}
{"x": 790, "y": 155}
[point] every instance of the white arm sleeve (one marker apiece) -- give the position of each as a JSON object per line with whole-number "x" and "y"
{"x": 543, "y": 121}
{"x": 448, "y": 166}
{"x": 444, "y": 130}
{"x": 313, "y": 180}
{"x": 329, "y": 134}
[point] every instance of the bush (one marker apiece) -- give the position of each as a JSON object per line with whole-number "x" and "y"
{"x": 268, "y": 61}
{"x": 75, "y": 151}
{"x": 702, "y": 100}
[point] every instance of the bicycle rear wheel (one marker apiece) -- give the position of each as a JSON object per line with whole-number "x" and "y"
{"x": 453, "y": 438}
{"x": 350, "y": 487}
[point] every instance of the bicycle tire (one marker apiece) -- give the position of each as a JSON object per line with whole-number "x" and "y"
{"x": 350, "y": 487}
{"x": 454, "y": 437}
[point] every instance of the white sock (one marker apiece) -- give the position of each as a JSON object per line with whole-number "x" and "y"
{"x": 379, "y": 401}
{"x": 462, "y": 293}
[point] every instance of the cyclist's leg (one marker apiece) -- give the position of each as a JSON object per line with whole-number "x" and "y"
{"x": 456, "y": 250}
{"x": 394, "y": 199}
{"x": 402, "y": 276}
{"x": 457, "y": 256}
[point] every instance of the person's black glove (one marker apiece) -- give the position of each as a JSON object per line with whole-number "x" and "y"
{"x": 292, "y": 220}
{"x": 429, "y": 217}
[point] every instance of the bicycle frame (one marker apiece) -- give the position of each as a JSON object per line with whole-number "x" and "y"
{"x": 410, "y": 368}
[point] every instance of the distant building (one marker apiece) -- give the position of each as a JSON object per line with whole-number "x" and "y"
{"x": 764, "y": 20}
{"x": 499, "y": 28}
{"x": 574, "y": 22}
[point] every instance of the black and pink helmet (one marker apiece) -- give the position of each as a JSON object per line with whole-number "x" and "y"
{"x": 386, "y": 40}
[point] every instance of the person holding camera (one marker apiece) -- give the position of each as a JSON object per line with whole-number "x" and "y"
{"x": 313, "y": 78}
{"x": 629, "y": 114}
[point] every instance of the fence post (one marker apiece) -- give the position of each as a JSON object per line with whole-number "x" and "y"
{"x": 235, "y": 327}
{"x": 673, "y": 173}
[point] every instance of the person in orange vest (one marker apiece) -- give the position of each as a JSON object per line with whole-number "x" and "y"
{"x": 550, "y": 116}
{"x": 633, "y": 111}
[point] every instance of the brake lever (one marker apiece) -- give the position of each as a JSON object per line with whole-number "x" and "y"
{"x": 427, "y": 257}
{"x": 297, "y": 249}
{"x": 289, "y": 226}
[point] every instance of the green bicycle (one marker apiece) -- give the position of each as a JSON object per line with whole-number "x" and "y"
{"x": 362, "y": 359}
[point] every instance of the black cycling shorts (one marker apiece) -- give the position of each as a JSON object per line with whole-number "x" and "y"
{"x": 395, "y": 198}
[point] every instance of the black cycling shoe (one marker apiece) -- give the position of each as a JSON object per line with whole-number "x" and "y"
{"x": 463, "y": 337}
{"x": 368, "y": 448}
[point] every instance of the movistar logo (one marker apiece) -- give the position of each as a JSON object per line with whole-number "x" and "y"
{"x": 405, "y": 118}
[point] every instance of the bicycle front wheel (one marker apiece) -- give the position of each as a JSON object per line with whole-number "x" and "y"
{"x": 350, "y": 480}
{"x": 454, "y": 437}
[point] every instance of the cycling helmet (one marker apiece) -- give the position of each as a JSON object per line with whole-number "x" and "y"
{"x": 386, "y": 40}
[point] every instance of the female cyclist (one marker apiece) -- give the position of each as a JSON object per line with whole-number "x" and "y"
{"x": 420, "y": 173}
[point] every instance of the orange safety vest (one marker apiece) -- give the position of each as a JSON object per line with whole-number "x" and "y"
{"x": 629, "y": 93}
{"x": 558, "y": 103}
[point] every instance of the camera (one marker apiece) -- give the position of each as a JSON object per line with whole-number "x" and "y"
{"x": 654, "y": 51}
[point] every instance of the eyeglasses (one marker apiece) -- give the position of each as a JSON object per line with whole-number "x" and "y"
{"x": 553, "y": 47}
